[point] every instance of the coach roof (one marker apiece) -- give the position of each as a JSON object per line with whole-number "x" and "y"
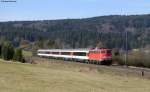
{"x": 65, "y": 50}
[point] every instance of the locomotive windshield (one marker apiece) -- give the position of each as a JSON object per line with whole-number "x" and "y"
{"x": 108, "y": 51}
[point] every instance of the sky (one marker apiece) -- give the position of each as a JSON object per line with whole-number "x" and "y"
{"x": 68, "y": 9}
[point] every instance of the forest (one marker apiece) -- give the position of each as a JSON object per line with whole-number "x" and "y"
{"x": 107, "y": 31}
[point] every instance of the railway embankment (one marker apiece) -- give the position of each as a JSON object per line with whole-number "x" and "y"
{"x": 113, "y": 69}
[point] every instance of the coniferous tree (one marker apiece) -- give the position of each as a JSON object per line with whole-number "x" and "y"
{"x": 100, "y": 45}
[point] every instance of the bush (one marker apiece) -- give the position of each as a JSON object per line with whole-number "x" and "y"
{"x": 18, "y": 55}
{"x": 0, "y": 50}
{"x": 7, "y": 51}
{"x": 117, "y": 56}
{"x": 138, "y": 59}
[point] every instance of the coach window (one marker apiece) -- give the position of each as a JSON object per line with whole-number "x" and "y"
{"x": 47, "y": 52}
{"x": 79, "y": 53}
{"x": 65, "y": 53}
{"x": 55, "y": 52}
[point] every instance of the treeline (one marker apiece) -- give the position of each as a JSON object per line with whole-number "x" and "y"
{"x": 82, "y": 33}
{"x": 8, "y": 52}
{"x": 137, "y": 57}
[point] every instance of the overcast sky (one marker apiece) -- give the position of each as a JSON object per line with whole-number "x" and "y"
{"x": 62, "y": 9}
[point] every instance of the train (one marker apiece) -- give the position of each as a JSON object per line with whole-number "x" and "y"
{"x": 93, "y": 56}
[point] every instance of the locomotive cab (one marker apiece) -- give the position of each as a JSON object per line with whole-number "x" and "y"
{"x": 100, "y": 55}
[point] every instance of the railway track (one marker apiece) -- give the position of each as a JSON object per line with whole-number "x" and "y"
{"x": 125, "y": 70}
{"x": 131, "y": 70}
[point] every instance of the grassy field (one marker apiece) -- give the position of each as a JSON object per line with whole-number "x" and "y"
{"x": 27, "y": 53}
{"x": 69, "y": 77}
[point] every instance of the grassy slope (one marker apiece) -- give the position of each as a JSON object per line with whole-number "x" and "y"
{"x": 16, "y": 77}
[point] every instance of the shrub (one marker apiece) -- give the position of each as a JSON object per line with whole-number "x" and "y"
{"x": 18, "y": 55}
{"x": 139, "y": 59}
{"x": 7, "y": 51}
{"x": 0, "y": 50}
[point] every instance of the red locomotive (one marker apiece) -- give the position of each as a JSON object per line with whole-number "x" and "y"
{"x": 97, "y": 56}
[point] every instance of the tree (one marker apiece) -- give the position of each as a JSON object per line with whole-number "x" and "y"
{"x": 7, "y": 51}
{"x": 18, "y": 55}
{"x": 0, "y": 50}
{"x": 2, "y": 40}
{"x": 100, "y": 45}
{"x": 40, "y": 42}
{"x": 116, "y": 52}
{"x": 50, "y": 44}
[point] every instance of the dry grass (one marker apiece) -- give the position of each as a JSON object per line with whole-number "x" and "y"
{"x": 69, "y": 77}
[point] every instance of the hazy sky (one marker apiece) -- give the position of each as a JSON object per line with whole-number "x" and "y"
{"x": 58, "y": 9}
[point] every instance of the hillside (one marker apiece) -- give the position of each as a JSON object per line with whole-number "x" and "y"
{"x": 82, "y": 33}
{"x": 60, "y": 77}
